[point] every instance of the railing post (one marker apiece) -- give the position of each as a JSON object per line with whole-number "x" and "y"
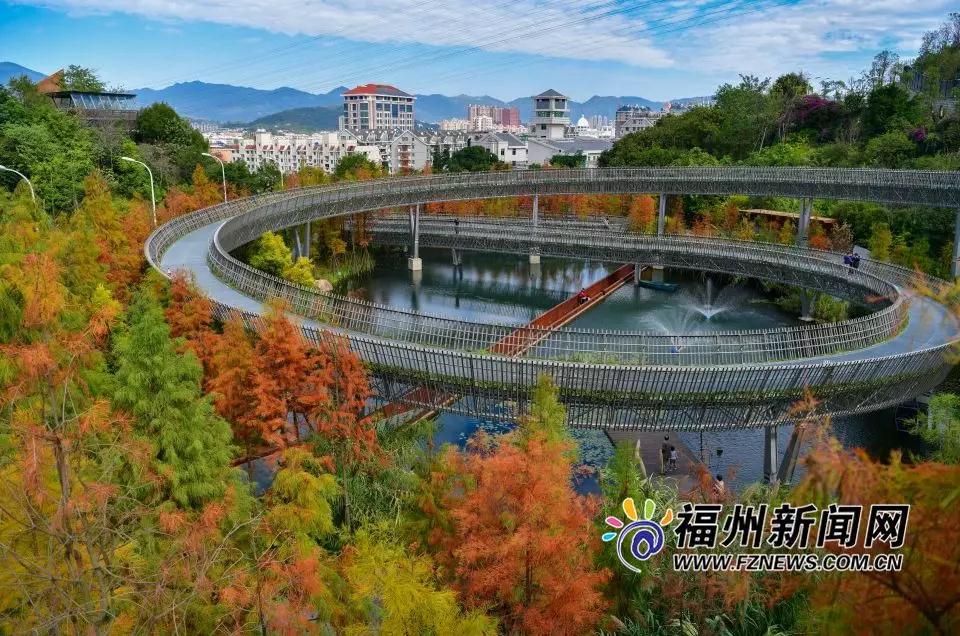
{"x": 535, "y": 230}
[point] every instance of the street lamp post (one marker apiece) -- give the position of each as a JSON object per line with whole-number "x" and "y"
{"x": 33, "y": 195}
{"x": 223, "y": 172}
{"x": 153, "y": 198}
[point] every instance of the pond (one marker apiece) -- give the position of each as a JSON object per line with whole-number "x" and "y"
{"x": 506, "y": 289}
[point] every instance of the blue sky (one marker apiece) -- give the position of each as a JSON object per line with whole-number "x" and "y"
{"x": 658, "y": 49}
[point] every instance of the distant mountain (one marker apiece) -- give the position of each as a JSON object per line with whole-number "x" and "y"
{"x": 224, "y": 102}
{"x": 228, "y": 103}
{"x": 9, "y": 70}
{"x": 305, "y": 119}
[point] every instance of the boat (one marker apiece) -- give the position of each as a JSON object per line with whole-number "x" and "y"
{"x": 659, "y": 286}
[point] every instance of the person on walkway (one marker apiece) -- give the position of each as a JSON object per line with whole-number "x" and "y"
{"x": 664, "y": 454}
{"x": 673, "y": 458}
{"x": 582, "y": 297}
{"x": 456, "y": 226}
{"x": 605, "y": 222}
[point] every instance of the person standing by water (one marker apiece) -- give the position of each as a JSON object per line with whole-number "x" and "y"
{"x": 673, "y": 458}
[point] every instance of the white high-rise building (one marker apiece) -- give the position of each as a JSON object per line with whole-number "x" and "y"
{"x": 551, "y": 115}
{"x": 377, "y": 107}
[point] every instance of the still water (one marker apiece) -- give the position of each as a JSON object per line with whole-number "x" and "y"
{"x": 506, "y": 289}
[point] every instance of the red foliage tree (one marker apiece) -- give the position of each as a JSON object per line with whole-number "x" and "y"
{"x": 523, "y": 544}
{"x": 281, "y": 370}
{"x": 231, "y": 371}
{"x": 190, "y": 314}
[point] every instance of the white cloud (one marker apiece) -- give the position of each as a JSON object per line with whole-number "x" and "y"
{"x": 578, "y": 29}
{"x": 827, "y": 38}
{"x": 819, "y": 36}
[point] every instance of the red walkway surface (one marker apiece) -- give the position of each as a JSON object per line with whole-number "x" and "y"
{"x": 521, "y": 340}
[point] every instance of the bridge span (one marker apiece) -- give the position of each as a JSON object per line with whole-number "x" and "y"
{"x": 606, "y": 379}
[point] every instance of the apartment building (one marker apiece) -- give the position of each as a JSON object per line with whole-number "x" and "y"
{"x": 501, "y": 117}
{"x": 377, "y": 107}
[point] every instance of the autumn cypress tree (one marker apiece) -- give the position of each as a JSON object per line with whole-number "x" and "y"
{"x": 524, "y": 545}
{"x": 190, "y": 315}
{"x": 279, "y": 378}
{"x": 160, "y": 388}
{"x": 232, "y": 365}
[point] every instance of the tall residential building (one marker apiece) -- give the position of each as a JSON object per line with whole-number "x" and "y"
{"x": 551, "y": 115}
{"x": 501, "y": 116}
{"x": 376, "y": 107}
{"x": 631, "y": 119}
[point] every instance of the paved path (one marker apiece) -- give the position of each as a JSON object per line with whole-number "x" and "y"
{"x": 930, "y": 324}
{"x": 684, "y": 478}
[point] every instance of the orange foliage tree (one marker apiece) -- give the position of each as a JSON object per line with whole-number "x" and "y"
{"x": 522, "y": 542}
{"x": 231, "y": 373}
{"x": 281, "y": 370}
{"x": 642, "y": 215}
{"x": 189, "y": 314}
{"x": 924, "y": 596}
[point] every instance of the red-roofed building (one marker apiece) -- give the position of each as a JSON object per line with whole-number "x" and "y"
{"x": 377, "y": 106}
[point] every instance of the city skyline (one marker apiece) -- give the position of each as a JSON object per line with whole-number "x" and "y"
{"x": 501, "y": 50}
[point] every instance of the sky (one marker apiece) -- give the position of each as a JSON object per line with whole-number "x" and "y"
{"x": 658, "y": 49}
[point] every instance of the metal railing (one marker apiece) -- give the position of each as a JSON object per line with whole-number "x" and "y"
{"x": 651, "y": 395}
{"x": 584, "y": 345}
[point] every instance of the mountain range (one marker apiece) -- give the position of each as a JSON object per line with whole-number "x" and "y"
{"x": 294, "y": 108}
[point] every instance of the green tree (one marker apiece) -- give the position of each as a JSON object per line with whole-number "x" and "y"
{"x": 890, "y": 150}
{"x": 356, "y": 168}
{"x": 577, "y": 160}
{"x": 300, "y": 272}
{"x": 270, "y": 254}
{"x": 398, "y": 592}
{"x": 160, "y": 388}
{"x": 473, "y": 159}
{"x": 79, "y": 78}
{"x": 940, "y": 427}
{"x": 888, "y": 107}
{"x": 881, "y": 240}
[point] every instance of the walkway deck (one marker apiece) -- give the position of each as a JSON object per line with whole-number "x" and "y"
{"x": 684, "y": 478}
{"x": 523, "y": 338}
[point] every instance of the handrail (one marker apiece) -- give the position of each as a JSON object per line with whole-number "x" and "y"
{"x": 735, "y": 347}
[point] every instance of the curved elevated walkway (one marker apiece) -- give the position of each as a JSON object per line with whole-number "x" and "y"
{"x": 893, "y": 367}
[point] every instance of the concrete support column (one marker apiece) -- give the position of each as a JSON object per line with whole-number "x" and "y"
{"x": 803, "y": 225}
{"x": 297, "y": 250}
{"x": 306, "y": 239}
{"x": 770, "y": 455}
{"x": 535, "y": 231}
{"x": 414, "y": 263}
{"x": 785, "y": 475}
{"x": 662, "y": 215}
{"x": 806, "y": 306}
{"x": 955, "y": 268}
